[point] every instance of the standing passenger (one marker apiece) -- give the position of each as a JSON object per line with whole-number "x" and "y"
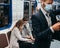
{"x": 45, "y": 25}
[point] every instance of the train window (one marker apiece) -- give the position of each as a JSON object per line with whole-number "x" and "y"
{"x": 5, "y": 14}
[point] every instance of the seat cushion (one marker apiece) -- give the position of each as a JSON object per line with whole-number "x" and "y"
{"x": 3, "y": 41}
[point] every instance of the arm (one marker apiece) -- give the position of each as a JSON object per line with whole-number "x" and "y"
{"x": 28, "y": 28}
{"x": 36, "y": 25}
{"x": 29, "y": 31}
{"x": 18, "y": 35}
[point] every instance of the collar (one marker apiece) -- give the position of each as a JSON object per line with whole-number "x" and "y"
{"x": 44, "y": 12}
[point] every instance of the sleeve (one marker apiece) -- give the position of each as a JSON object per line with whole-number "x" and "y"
{"x": 18, "y": 35}
{"x": 29, "y": 30}
{"x": 52, "y": 29}
{"x": 37, "y": 29}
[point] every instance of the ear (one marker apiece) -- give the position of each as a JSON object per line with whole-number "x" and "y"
{"x": 43, "y": 3}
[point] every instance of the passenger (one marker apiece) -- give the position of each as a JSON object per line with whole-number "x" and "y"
{"x": 45, "y": 26}
{"x": 22, "y": 32}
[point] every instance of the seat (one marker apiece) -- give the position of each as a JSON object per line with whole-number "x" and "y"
{"x": 3, "y": 41}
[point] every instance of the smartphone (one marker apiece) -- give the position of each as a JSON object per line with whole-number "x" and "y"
{"x": 58, "y": 18}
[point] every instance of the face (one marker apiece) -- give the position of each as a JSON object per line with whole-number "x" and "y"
{"x": 47, "y": 5}
{"x": 44, "y": 2}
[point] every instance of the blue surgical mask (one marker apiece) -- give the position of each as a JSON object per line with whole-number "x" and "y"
{"x": 48, "y": 7}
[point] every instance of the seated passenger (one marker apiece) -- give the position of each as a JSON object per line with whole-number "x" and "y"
{"x": 22, "y": 32}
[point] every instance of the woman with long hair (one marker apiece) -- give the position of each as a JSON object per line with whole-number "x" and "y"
{"x": 21, "y": 32}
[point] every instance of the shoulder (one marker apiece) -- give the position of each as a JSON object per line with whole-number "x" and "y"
{"x": 27, "y": 25}
{"x": 15, "y": 29}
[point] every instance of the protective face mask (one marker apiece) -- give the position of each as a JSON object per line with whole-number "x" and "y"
{"x": 48, "y": 7}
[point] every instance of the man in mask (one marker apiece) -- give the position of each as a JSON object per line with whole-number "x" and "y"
{"x": 45, "y": 25}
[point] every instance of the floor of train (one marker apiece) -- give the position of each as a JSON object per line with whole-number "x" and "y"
{"x": 55, "y": 44}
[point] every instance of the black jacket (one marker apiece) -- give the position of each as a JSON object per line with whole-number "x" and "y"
{"x": 42, "y": 31}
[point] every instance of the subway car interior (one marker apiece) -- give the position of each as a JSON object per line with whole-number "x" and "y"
{"x": 13, "y": 10}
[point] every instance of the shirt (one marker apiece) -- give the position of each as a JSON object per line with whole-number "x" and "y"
{"x": 48, "y": 18}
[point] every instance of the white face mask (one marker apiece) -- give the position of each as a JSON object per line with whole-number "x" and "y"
{"x": 48, "y": 7}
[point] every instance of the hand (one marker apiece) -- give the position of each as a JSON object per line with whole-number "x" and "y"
{"x": 28, "y": 37}
{"x": 32, "y": 38}
{"x": 30, "y": 41}
{"x": 56, "y": 27}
